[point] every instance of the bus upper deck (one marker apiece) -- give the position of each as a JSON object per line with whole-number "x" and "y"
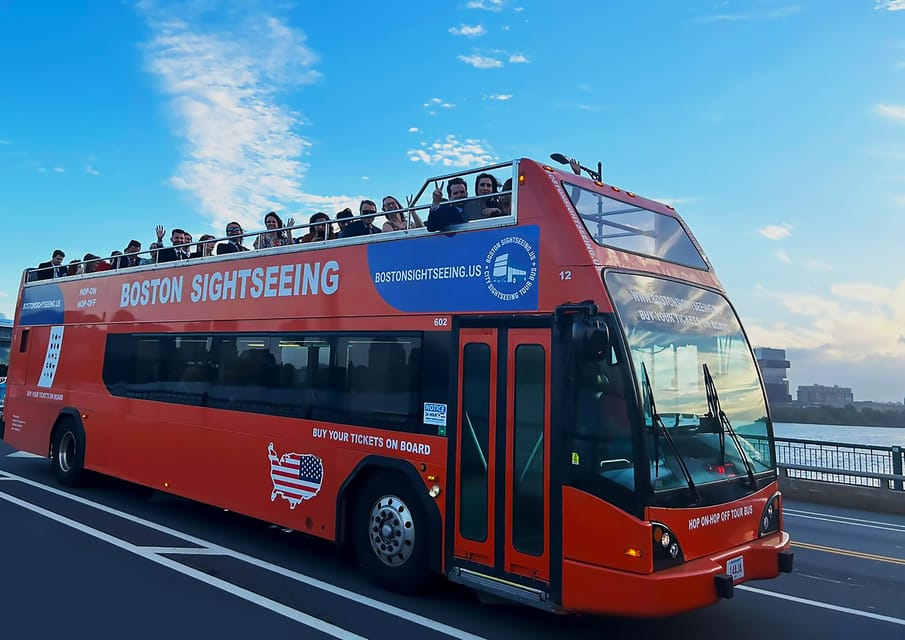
{"x": 496, "y": 264}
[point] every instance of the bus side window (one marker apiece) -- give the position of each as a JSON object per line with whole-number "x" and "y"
{"x": 23, "y": 344}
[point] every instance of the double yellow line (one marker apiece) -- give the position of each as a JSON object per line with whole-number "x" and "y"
{"x": 852, "y": 554}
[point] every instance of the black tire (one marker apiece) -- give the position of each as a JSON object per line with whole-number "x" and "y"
{"x": 67, "y": 453}
{"x": 390, "y": 534}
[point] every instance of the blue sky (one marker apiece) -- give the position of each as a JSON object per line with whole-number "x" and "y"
{"x": 776, "y": 128}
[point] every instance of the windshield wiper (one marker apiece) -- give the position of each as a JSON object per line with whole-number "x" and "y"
{"x": 660, "y": 428}
{"x": 715, "y": 412}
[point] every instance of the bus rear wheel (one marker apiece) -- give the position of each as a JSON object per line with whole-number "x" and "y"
{"x": 390, "y": 535}
{"x": 67, "y": 453}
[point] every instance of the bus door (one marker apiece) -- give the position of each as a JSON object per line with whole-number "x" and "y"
{"x": 502, "y": 505}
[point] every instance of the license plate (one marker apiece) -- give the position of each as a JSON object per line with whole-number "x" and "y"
{"x": 736, "y": 568}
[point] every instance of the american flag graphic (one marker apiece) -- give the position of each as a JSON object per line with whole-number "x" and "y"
{"x": 295, "y": 476}
{"x": 51, "y": 358}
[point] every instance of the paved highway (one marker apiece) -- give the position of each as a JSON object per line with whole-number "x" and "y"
{"x": 110, "y": 560}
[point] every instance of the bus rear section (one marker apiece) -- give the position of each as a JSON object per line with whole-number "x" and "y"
{"x": 6, "y": 338}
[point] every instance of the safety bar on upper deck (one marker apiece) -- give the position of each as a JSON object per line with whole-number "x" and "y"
{"x": 459, "y": 174}
{"x": 408, "y": 214}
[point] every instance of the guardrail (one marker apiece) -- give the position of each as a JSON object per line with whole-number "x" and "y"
{"x": 842, "y": 463}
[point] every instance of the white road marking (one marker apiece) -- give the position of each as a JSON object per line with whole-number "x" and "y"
{"x": 22, "y": 454}
{"x": 188, "y": 551}
{"x": 823, "y": 605}
{"x": 853, "y": 522}
{"x": 217, "y": 583}
{"x": 211, "y": 548}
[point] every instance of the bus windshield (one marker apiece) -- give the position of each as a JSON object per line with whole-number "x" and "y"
{"x": 628, "y": 227}
{"x": 674, "y": 330}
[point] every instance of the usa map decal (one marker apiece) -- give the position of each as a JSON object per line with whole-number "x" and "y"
{"x": 295, "y": 476}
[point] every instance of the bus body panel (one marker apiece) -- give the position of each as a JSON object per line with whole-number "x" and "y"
{"x": 669, "y": 592}
{"x": 290, "y": 470}
{"x": 703, "y": 530}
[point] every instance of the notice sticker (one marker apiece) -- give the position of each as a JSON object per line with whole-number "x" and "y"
{"x": 435, "y": 413}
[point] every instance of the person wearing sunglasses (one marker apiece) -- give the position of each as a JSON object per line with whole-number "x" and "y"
{"x": 234, "y": 240}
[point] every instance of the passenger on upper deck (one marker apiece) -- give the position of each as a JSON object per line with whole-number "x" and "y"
{"x": 318, "y": 232}
{"x": 176, "y": 252}
{"x": 488, "y": 206}
{"x": 444, "y": 214}
{"x": 93, "y": 264}
{"x": 53, "y": 268}
{"x": 397, "y": 221}
{"x": 506, "y": 198}
{"x": 129, "y": 257}
{"x": 234, "y": 244}
{"x": 153, "y": 249}
{"x": 344, "y": 218}
{"x": 205, "y": 247}
{"x": 276, "y": 236}
{"x": 364, "y": 224}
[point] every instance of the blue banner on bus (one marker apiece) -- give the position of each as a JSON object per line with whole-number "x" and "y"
{"x": 493, "y": 270}
{"x": 42, "y": 305}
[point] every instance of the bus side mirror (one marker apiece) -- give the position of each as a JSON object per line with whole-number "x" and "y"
{"x": 590, "y": 340}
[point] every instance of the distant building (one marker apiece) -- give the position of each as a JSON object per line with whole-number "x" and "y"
{"x": 878, "y": 406}
{"x": 773, "y": 367}
{"x": 819, "y": 395}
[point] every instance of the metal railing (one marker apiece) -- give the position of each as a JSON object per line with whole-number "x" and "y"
{"x": 842, "y": 463}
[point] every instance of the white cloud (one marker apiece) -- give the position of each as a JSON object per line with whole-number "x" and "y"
{"x": 890, "y": 5}
{"x": 783, "y": 256}
{"x": 674, "y": 202}
{"x": 4, "y": 141}
{"x": 414, "y": 130}
{"x": 481, "y": 62}
{"x": 817, "y": 265}
{"x": 894, "y": 111}
{"x": 242, "y": 150}
{"x": 450, "y": 152}
{"x": 59, "y": 170}
{"x": 886, "y": 153}
{"x": 467, "y": 31}
{"x": 487, "y": 5}
{"x": 854, "y": 325}
{"x": 770, "y": 14}
{"x": 518, "y": 59}
{"x": 502, "y": 97}
{"x": 437, "y": 102}
{"x": 91, "y": 170}
{"x": 776, "y": 231}
{"x": 899, "y": 200}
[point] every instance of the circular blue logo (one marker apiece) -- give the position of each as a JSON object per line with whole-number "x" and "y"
{"x": 510, "y": 268}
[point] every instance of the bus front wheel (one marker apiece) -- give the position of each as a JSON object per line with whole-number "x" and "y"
{"x": 67, "y": 453}
{"x": 391, "y": 534}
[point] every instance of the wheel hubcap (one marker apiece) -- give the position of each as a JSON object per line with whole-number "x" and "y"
{"x": 66, "y": 454}
{"x": 391, "y": 531}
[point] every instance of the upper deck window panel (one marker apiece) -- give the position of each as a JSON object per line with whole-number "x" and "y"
{"x": 628, "y": 227}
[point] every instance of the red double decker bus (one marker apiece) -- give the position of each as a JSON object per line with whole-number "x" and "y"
{"x": 557, "y": 405}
